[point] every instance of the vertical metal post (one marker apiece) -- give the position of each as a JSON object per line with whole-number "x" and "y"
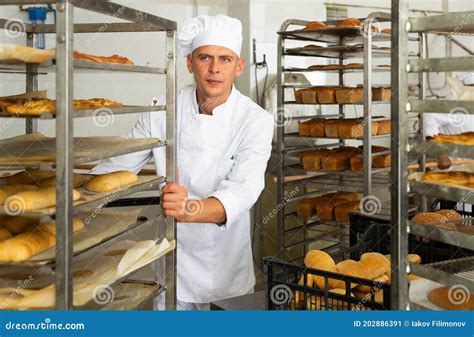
{"x": 341, "y": 83}
{"x": 279, "y": 148}
{"x": 64, "y": 150}
{"x": 31, "y": 84}
{"x": 367, "y": 120}
{"x": 399, "y": 172}
{"x": 171, "y": 138}
{"x": 421, "y": 131}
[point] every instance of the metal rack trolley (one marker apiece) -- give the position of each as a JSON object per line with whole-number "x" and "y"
{"x": 137, "y": 21}
{"x": 364, "y": 182}
{"x": 445, "y": 272}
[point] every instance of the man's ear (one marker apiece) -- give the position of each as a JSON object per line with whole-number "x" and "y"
{"x": 240, "y": 67}
{"x": 189, "y": 62}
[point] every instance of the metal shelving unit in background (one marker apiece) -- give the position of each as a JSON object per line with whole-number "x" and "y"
{"x": 65, "y": 67}
{"x": 365, "y": 182}
{"x": 450, "y": 272}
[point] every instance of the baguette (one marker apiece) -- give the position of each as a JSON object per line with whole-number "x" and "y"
{"x": 455, "y": 178}
{"x": 466, "y": 138}
{"x": 29, "y": 177}
{"x": 9, "y": 190}
{"x": 34, "y": 200}
{"x": 23, "y": 246}
{"x": 452, "y": 298}
{"x": 110, "y": 181}
{"x": 17, "y": 224}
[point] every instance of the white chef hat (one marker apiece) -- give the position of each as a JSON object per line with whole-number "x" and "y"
{"x": 219, "y": 30}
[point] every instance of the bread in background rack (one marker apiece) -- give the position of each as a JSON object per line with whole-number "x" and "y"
{"x": 117, "y": 59}
{"x": 443, "y": 298}
{"x": 434, "y": 218}
{"x": 466, "y": 138}
{"x": 460, "y": 178}
{"x": 18, "y": 224}
{"x": 110, "y": 181}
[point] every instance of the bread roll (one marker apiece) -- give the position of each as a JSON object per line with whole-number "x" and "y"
{"x": 452, "y": 298}
{"x": 9, "y": 190}
{"x": 110, "y": 181}
{"x": 299, "y": 295}
{"x": 334, "y": 303}
{"x": 318, "y": 259}
{"x": 29, "y": 177}
{"x": 5, "y": 234}
{"x": 352, "y": 268}
{"x": 34, "y": 200}
{"x": 375, "y": 264}
{"x": 342, "y": 210}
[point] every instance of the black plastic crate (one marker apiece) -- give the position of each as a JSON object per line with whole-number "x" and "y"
{"x": 429, "y": 250}
{"x": 284, "y": 292}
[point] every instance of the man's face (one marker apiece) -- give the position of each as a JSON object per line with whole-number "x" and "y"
{"x": 214, "y": 69}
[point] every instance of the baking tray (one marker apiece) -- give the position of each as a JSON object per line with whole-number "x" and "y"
{"x": 440, "y": 191}
{"x": 297, "y": 135}
{"x": 101, "y": 226}
{"x": 337, "y": 52}
{"x": 297, "y": 169}
{"x": 133, "y": 294}
{"x": 344, "y": 70}
{"x": 34, "y": 149}
{"x": 91, "y": 277}
{"x": 90, "y": 200}
{"x": 436, "y": 149}
{"x": 107, "y": 111}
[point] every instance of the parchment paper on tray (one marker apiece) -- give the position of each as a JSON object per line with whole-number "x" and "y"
{"x": 419, "y": 290}
{"x": 91, "y": 277}
{"x": 130, "y": 295}
{"x": 98, "y": 227}
{"x": 34, "y": 148}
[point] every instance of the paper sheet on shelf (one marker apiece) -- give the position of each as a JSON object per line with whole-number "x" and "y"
{"x": 419, "y": 290}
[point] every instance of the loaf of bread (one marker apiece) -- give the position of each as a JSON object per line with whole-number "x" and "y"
{"x": 307, "y": 207}
{"x": 29, "y": 177}
{"x": 298, "y": 95}
{"x": 23, "y": 246}
{"x": 9, "y": 190}
{"x": 310, "y": 96}
{"x": 343, "y": 209}
{"x": 381, "y": 161}
{"x": 354, "y": 128}
{"x": 434, "y": 218}
{"x": 460, "y": 178}
{"x": 110, "y": 181}
{"x": 304, "y": 128}
{"x": 4, "y": 234}
{"x": 313, "y": 127}
{"x": 311, "y": 160}
{"x": 376, "y": 264}
{"x": 17, "y": 224}
{"x": 352, "y": 268}
{"x": 331, "y": 128}
{"x": 349, "y": 95}
{"x": 327, "y": 95}
{"x": 336, "y": 161}
{"x": 466, "y": 138}
{"x": 325, "y": 209}
{"x": 350, "y": 22}
{"x": 383, "y": 127}
{"x": 452, "y": 298}
{"x": 381, "y": 94}
{"x": 34, "y": 200}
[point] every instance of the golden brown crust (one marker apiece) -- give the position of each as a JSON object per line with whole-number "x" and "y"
{"x": 315, "y": 25}
{"x": 466, "y": 138}
{"x": 350, "y": 22}
{"x": 342, "y": 210}
{"x": 116, "y": 59}
{"x": 460, "y": 178}
{"x": 350, "y": 95}
{"x": 452, "y": 298}
{"x": 428, "y": 218}
{"x": 450, "y": 214}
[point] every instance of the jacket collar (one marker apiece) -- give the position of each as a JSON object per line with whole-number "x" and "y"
{"x": 225, "y": 109}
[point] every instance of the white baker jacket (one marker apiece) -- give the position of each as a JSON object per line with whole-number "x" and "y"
{"x": 223, "y": 155}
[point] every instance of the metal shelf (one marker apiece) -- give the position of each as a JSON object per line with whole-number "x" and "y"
{"x": 297, "y": 169}
{"x": 436, "y": 149}
{"x": 84, "y": 65}
{"x": 337, "y": 52}
{"x": 122, "y": 299}
{"x": 34, "y": 150}
{"x": 331, "y": 35}
{"x": 450, "y": 272}
{"x": 446, "y": 192}
{"x": 336, "y": 71}
{"x": 338, "y": 104}
{"x": 77, "y": 113}
{"x": 465, "y": 63}
{"x": 449, "y": 236}
{"x": 297, "y": 135}
{"x": 439, "y": 106}
{"x": 91, "y": 200}
{"x": 452, "y": 23}
{"x": 336, "y": 182}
